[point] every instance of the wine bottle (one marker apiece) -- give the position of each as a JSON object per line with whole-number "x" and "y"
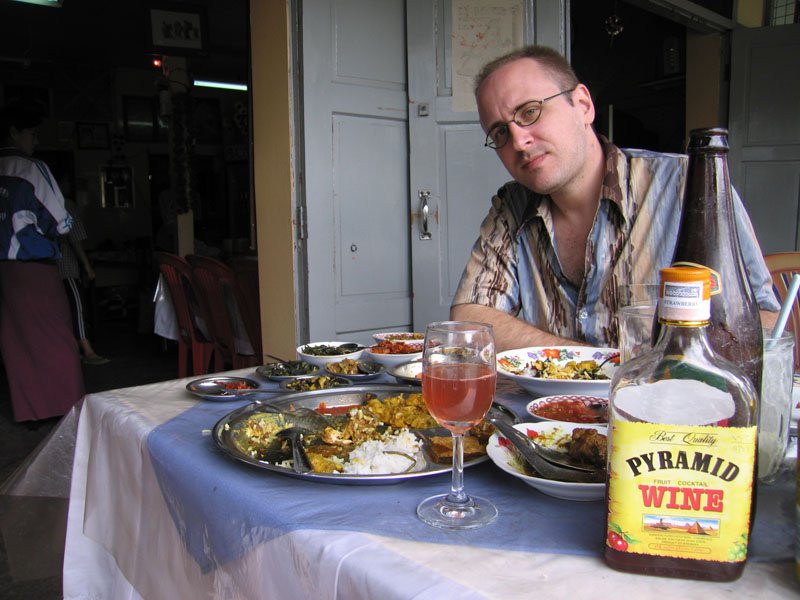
{"x": 707, "y": 236}
{"x": 682, "y": 447}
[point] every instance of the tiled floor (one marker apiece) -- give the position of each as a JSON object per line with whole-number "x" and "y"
{"x": 136, "y": 358}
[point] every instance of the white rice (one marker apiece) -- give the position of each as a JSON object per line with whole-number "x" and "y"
{"x": 373, "y": 458}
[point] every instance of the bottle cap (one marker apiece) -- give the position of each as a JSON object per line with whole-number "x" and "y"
{"x": 685, "y": 294}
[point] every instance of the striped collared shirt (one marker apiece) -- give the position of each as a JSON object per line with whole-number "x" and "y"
{"x": 514, "y": 267}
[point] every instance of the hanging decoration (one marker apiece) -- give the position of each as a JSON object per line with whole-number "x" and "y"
{"x": 613, "y": 25}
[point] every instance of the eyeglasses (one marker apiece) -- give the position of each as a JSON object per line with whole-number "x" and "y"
{"x": 525, "y": 116}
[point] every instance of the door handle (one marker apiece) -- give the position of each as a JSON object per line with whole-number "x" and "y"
{"x": 424, "y": 232}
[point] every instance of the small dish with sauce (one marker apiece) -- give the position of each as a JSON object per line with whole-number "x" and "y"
{"x": 570, "y": 408}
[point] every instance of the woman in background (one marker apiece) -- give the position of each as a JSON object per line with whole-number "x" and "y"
{"x": 40, "y": 353}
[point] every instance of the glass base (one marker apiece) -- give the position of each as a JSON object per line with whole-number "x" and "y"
{"x": 440, "y": 511}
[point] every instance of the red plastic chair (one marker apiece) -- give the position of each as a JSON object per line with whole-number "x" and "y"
{"x": 223, "y": 300}
{"x": 194, "y": 348}
{"x": 782, "y": 266}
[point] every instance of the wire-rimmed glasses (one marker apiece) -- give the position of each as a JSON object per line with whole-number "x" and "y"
{"x": 525, "y": 116}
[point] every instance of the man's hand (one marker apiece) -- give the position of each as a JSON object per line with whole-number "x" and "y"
{"x": 509, "y": 332}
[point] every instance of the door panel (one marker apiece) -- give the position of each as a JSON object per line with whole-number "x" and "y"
{"x": 447, "y": 156}
{"x": 356, "y": 170}
{"x": 765, "y": 131}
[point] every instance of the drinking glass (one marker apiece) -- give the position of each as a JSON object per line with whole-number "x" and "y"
{"x": 775, "y": 409}
{"x": 459, "y": 373}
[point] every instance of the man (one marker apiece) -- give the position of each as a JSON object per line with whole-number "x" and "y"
{"x": 581, "y": 217}
{"x": 39, "y": 351}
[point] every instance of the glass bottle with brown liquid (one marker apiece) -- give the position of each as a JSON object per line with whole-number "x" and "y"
{"x": 707, "y": 237}
{"x": 682, "y": 447}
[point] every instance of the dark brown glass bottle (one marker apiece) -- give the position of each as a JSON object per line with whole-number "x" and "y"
{"x": 707, "y": 236}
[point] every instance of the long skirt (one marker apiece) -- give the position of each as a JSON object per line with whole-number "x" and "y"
{"x": 40, "y": 353}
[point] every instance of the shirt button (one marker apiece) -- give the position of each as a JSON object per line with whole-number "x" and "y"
{"x": 583, "y": 315}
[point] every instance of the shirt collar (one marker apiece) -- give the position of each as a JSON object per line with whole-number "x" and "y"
{"x": 616, "y": 168}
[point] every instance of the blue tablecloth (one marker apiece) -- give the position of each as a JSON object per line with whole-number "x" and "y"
{"x": 223, "y": 508}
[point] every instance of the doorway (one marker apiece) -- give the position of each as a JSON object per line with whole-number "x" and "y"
{"x": 634, "y": 64}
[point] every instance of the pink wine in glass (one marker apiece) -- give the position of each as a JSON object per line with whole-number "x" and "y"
{"x": 458, "y": 394}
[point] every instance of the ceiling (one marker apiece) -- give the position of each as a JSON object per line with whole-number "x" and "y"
{"x": 115, "y": 33}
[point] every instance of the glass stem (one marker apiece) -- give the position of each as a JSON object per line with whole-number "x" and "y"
{"x": 457, "y": 494}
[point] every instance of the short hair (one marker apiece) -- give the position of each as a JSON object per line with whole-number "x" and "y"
{"x": 18, "y": 115}
{"x": 548, "y": 58}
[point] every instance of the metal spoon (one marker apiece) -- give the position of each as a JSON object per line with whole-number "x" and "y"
{"x": 287, "y": 364}
{"x": 350, "y": 347}
{"x": 212, "y": 388}
{"x": 543, "y": 467}
{"x": 300, "y": 462}
{"x": 560, "y": 458}
{"x": 370, "y": 368}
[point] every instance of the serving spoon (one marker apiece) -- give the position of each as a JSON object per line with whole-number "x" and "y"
{"x": 212, "y": 388}
{"x": 541, "y": 465}
{"x": 300, "y": 462}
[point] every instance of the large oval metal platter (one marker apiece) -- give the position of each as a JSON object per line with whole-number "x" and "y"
{"x": 224, "y": 432}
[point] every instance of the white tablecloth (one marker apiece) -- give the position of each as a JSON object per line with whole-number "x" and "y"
{"x": 122, "y": 542}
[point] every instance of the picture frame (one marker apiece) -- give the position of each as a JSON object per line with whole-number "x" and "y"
{"x": 116, "y": 186}
{"x": 177, "y": 28}
{"x": 139, "y": 118}
{"x": 93, "y": 136}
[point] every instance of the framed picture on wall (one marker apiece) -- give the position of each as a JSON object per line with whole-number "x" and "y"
{"x": 93, "y": 135}
{"x": 177, "y": 28}
{"x": 116, "y": 186}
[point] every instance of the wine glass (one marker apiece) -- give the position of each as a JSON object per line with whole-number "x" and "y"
{"x": 459, "y": 373}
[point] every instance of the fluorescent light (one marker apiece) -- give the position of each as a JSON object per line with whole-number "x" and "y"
{"x": 53, "y": 3}
{"x": 221, "y": 85}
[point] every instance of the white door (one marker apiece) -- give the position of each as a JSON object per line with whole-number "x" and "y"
{"x": 765, "y": 131}
{"x": 365, "y": 164}
{"x": 355, "y": 136}
{"x": 452, "y": 174}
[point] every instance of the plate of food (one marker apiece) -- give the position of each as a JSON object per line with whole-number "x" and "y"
{"x": 408, "y": 373}
{"x": 551, "y": 370}
{"x": 571, "y": 408}
{"x": 373, "y": 434}
{"x": 355, "y": 370}
{"x": 280, "y": 371}
{"x": 399, "y": 336}
{"x": 321, "y": 353}
{"x": 392, "y": 353}
{"x": 220, "y": 388}
{"x": 308, "y": 383}
{"x": 584, "y": 442}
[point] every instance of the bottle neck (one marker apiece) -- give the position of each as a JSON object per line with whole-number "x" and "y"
{"x": 683, "y": 337}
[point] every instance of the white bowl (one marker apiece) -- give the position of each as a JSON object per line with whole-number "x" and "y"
{"x": 321, "y": 361}
{"x": 399, "y": 336}
{"x": 410, "y": 372}
{"x": 512, "y": 364}
{"x": 506, "y": 459}
{"x": 391, "y": 360}
{"x": 600, "y": 415}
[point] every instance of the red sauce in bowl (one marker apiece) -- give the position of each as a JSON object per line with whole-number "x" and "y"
{"x": 575, "y": 409}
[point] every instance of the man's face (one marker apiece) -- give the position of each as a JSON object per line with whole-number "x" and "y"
{"x": 25, "y": 140}
{"x": 550, "y": 154}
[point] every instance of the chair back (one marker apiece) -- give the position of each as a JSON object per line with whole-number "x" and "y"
{"x": 246, "y": 272}
{"x": 192, "y": 341}
{"x": 224, "y": 302}
{"x": 782, "y": 266}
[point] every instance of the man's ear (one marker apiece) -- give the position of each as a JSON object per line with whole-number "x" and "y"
{"x": 583, "y": 99}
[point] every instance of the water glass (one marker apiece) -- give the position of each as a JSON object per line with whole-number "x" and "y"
{"x": 636, "y": 309}
{"x": 775, "y": 410}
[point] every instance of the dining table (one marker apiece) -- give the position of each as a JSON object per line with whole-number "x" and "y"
{"x": 157, "y": 511}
